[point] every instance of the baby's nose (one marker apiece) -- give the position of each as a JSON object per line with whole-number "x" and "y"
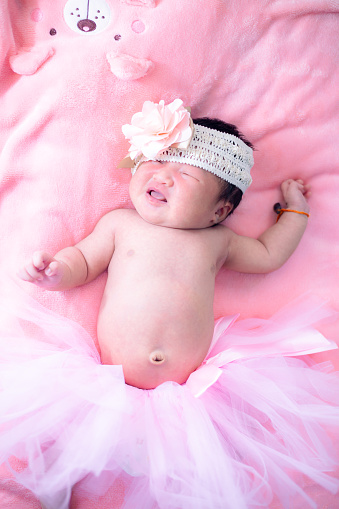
{"x": 164, "y": 177}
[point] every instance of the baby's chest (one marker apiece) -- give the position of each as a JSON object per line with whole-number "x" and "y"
{"x": 173, "y": 253}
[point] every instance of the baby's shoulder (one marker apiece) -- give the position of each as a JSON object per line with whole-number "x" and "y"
{"x": 116, "y": 219}
{"x": 221, "y": 238}
{"x": 221, "y": 232}
{"x": 120, "y": 215}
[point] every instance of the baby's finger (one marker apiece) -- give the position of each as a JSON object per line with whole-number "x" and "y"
{"x": 41, "y": 260}
{"x": 304, "y": 189}
{"x": 52, "y": 269}
{"x": 300, "y": 187}
{"x": 286, "y": 186}
{"x": 30, "y": 273}
{"x": 307, "y": 189}
{"x": 22, "y": 274}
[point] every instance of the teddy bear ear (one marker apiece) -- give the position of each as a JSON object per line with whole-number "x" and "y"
{"x": 27, "y": 61}
{"x": 145, "y": 3}
{"x": 125, "y": 67}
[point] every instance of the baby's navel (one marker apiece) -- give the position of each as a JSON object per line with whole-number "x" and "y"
{"x": 157, "y": 357}
{"x": 130, "y": 252}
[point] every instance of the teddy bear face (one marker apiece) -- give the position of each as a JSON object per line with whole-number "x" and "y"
{"x": 133, "y": 38}
{"x": 87, "y": 16}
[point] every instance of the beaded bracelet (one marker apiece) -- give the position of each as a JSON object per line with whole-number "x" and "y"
{"x": 278, "y": 210}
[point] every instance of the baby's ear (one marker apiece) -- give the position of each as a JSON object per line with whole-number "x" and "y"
{"x": 222, "y": 211}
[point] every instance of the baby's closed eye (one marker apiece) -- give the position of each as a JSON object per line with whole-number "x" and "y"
{"x": 186, "y": 174}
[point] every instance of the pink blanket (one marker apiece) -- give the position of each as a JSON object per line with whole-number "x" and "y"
{"x": 72, "y": 72}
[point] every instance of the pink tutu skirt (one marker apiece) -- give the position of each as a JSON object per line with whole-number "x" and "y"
{"x": 248, "y": 427}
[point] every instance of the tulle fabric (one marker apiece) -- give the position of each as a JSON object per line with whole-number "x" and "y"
{"x": 248, "y": 435}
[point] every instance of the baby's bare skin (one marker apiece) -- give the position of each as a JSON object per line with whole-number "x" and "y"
{"x": 156, "y": 316}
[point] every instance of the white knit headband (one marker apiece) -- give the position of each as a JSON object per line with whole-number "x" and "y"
{"x": 170, "y": 129}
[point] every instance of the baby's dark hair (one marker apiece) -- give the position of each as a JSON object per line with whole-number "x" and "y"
{"x": 228, "y": 192}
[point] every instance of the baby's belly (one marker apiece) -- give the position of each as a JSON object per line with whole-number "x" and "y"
{"x": 156, "y": 340}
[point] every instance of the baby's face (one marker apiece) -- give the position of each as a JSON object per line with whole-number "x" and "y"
{"x": 175, "y": 195}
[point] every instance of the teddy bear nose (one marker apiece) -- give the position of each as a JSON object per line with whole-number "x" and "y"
{"x": 87, "y": 25}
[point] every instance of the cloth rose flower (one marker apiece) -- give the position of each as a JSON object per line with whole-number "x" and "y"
{"x": 157, "y": 127}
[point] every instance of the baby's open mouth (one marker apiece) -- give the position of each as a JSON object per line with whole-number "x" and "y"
{"x": 156, "y": 195}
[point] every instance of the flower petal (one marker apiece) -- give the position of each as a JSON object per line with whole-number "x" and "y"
{"x": 157, "y": 127}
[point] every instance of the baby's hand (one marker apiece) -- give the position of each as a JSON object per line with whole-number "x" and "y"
{"x": 42, "y": 270}
{"x": 295, "y": 193}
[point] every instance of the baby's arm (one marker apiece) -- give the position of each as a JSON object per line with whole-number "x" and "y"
{"x": 273, "y": 248}
{"x": 76, "y": 265}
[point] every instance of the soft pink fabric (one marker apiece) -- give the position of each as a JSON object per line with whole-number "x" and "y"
{"x": 271, "y": 69}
